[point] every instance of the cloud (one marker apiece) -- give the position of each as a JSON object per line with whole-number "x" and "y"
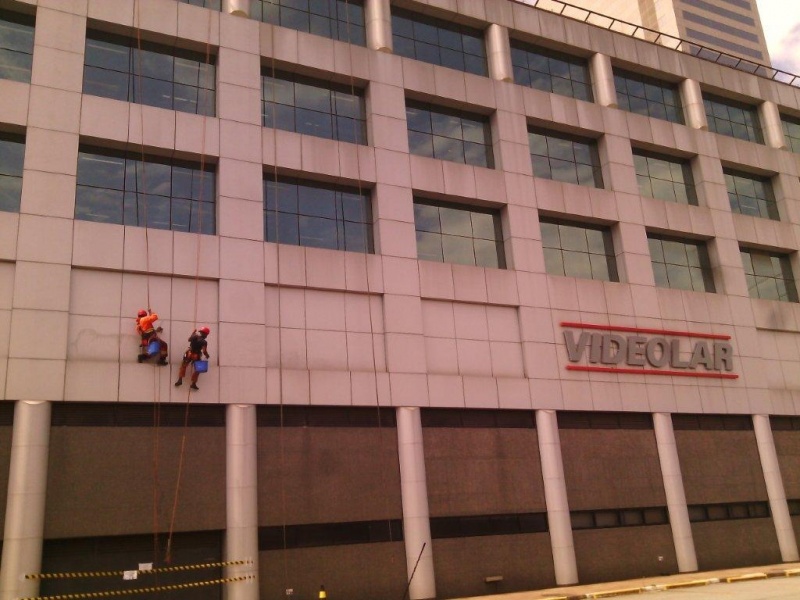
{"x": 787, "y": 54}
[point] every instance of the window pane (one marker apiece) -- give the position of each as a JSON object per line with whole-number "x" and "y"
{"x": 550, "y": 71}
{"x": 564, "y": 158}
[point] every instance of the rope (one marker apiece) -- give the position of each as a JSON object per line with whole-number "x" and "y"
{"x": 198, "y": 237}
{"x": 88, "y": 574}
{"x": 146, "y": 590}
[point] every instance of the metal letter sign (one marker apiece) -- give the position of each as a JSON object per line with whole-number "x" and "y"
{"x": 606, "y": 349}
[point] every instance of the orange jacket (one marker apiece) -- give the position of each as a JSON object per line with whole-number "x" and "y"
{"x": 145, "y": 324}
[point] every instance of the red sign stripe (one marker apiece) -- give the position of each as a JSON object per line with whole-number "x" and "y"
{"x": 690, "y": 334}
{"x": 702, "y": 374}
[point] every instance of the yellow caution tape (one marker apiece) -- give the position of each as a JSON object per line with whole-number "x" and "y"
{"x": 683, "y": 584}
{"x": 748, "y": 577}
{"x": 611, "y": 593}
{"x": 78, "y": 575}
{"x": 147, "y": 590}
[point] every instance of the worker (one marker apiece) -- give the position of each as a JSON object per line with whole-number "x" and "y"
{"x": 197, "y": 346}
{"x": 145, "y": 326}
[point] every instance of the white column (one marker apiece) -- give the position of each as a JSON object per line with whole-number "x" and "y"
{"x": 498, "y": 50}
{"x": 605, "y": 93}
{"x": 378, "y": 20}
{"x": 241, "y": 534}
{"x": 27, "y": 489}
{"x": 414, "y": 492}
{"x": 555, "y": 493}
{"x": 771, "y": 125}
{"x": 240, "y": 8}
{"x": 693, "y": 109}
{"x": 676, "y": 496}
{"x": 775, "y": 492}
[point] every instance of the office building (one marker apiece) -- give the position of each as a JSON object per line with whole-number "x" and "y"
{"x": 497, "y": 300}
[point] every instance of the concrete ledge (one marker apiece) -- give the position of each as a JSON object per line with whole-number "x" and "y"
{"x": 747, "y": 577}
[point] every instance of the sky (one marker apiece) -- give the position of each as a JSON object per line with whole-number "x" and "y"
{"x": 781, "y": 22}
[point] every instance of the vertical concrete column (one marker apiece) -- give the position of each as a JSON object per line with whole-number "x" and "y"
{"x": 555, "y": 493}
{"x": 605, "y": 93}
{"x": 692, "y": 100}
{"x": 771, "y": 125}
{"x": 498, "y": 50}
{"x": 378, "y": 18}
{"x": 27, "y": 489}
{"x": 673, "y": 488}
{"x": 414, "y": 492}
{"x": 241, "y": 534}
{"x": 240, "y": 8}
{"x": 775, "y": 492}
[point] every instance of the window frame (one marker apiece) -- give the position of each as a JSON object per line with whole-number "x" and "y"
{"x": 712, "y": 101}
{"x": 688, "y": 186}
{"x": 706, "y": 274}
{"x": 607, "y": 241}
{"x": 303, "y": 212}
{"x": 590, "y": 148}
{"x": 27, "y": 24}
{"x": 624, "y": 97}
{"x": 10, "y": 174}
{"x": 497, "y": 242}
{"x": 133, "y": 81}
{"x": 768, "y": 204}
{"x": 440, "y": 114}
{"x": 791, "y": 124}
{"x": 200, "y": 178}
{"x": 341, "y": 127}
{"x": 346, "y": 31}
{"x": 427, "y": 26}
{"x": 785, "y": 266}
{"x": 570, "y": 64}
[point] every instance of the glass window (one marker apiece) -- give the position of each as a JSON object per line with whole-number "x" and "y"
{"x": 732, "y": 118}
{"x": 680, "y": 264}
{"x": 152, "y": 74}
{"x": 578, "y": 250}
{"x": 212, "y": 4}
{"x": 447, "y": 134}
{"x": 321, "y": 108}
{"x": 551, "y": 71}
{"x": 336, "y": 19}
{"x": 751, "y": 195}
{"x": 648, "y": 96}
{"x": 439, "y": 42}
{"x": 769, "y": 275}
{"x": 664, "y": 177}
{"x": 12, "y": 153}
{"x": 564, "y": 157}
{"x": 457, "y": 233}
{"x": 308, "y": 213}
{"x": 16, "y": 46}
{"x": 791, "y": 129}
{"x": 128, "y": 189}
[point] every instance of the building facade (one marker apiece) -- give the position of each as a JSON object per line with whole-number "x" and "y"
{"x": 498, "y": 301}
{"x": 730, "y": 26}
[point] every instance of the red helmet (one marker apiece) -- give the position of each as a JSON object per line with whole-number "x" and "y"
{"x": 204, "y": 330}
{"x": 142, "y": 312}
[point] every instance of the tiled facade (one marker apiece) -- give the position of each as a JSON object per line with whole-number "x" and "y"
{"x": 368, "y": 414}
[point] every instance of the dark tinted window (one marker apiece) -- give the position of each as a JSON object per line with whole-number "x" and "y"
{"x": 564, "y": 157}
{"x": 551, "y": 71}
{"x": 578, "y": 250}
{"x": 648, "y": 96}
{"x": 751, "y": 195}
{"x": 118, "y": 67}
{"x": 680, "y": 264}
{"x": 664, "y": 177}
{"x": 458, "y": 233}
{"x": 769, "y": 275}
{"x": 336, "y": 19}
{"x": 16, "y": 46}
{"x": 295, "y": 103}
{"x": 732, "y": 118}
{"x": 447, "y": 134}
{"x": 791, "y": 129}
{"x": 12, "y": 153}
{"x": 308, "y": 213}
{"x": 123, "y": 188}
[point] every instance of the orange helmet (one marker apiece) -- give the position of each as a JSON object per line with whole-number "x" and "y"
{"x": 204, "y": 330}
{"x": 142, "y": 312}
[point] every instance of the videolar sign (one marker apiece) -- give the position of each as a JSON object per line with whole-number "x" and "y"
{"x": 641, "y": 351}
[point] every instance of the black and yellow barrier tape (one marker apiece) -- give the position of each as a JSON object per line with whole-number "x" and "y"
{"x": 82, "y": 574}
{"x": 145, "y": 590}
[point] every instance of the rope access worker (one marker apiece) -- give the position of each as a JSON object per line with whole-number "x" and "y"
{"x": 145, "y": 326}
{"x": 197, "y": 346}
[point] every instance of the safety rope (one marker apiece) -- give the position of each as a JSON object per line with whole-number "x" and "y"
{"x": 122, "y": 573}
{"x": 198, "y": 247}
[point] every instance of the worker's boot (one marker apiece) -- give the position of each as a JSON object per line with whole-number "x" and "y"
{"x": 194, "y": 386}
{"x": 179, "y": 382}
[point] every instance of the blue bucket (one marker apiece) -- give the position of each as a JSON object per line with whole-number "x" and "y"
{"x": 153, "y": 348}
{"x": 201, "y": 366}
